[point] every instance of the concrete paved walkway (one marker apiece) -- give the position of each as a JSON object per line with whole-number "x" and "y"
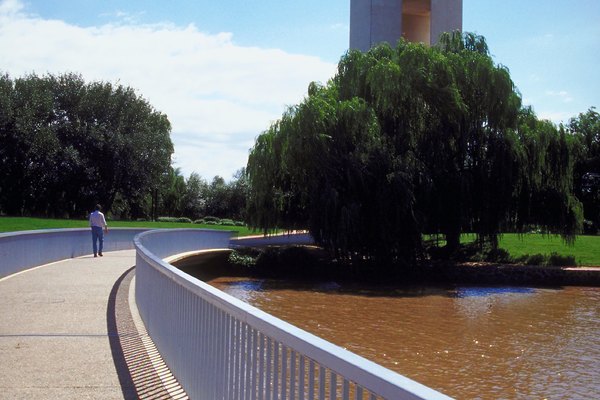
{"x": 70, "y": 330}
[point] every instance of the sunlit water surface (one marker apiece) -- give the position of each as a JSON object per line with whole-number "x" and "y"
{"x": 467, "y": 342}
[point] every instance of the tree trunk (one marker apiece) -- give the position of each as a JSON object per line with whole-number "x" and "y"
{"x": 452, "y": 243}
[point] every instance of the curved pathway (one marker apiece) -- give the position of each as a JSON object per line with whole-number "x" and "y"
{"x": 70, "y": 329}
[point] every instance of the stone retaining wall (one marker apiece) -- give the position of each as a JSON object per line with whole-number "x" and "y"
{"x": 476, "y": 273}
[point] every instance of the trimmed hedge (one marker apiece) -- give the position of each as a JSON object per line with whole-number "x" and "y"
{"x": 218, "y": 221}
{"x": 174, "y": 219}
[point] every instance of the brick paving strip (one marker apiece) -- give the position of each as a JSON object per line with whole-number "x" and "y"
{"x": 70, "y": 329}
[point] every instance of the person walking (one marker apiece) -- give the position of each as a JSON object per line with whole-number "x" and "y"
{"x": 99, "y": 227}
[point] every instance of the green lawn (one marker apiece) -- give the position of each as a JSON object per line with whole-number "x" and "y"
{"x": 586, "y": 249}
{"x": 11, "y": 224}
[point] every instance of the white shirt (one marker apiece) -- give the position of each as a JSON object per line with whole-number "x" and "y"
{"x": 97, "y": 219}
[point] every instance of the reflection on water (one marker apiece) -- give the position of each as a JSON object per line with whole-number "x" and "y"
{"x": 467, "y": 342}
{"x": 477, "y": 291}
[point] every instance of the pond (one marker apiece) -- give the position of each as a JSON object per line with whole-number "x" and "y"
{"x": 467, "y": 342}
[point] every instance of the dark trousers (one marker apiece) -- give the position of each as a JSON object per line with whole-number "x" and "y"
{"x": 97, "y": 239}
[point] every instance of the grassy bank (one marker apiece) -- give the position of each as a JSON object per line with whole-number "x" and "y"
{"x": 586, "y": 249}
{"x": 11, "y": 224}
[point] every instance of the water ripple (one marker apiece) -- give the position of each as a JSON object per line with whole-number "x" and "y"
{"x": 468, "y": 342}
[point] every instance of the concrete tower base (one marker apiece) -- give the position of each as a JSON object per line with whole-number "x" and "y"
{"x": 376, "y": 21}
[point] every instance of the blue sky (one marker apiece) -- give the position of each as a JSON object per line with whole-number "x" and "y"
{"x": 224, "y": 70}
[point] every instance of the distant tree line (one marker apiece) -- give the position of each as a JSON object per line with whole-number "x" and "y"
{"x": 418, "y": 140}
{"x": 66, "y": 145}
{"x": 196, "y": 198}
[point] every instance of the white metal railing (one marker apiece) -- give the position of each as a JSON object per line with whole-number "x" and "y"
{"x": 219, "y": 347}
{"x": 27, "y": 249}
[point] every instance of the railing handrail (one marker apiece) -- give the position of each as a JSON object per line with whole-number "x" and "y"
{"x": 368, "y": 374}
{"x": 22, "y": 250}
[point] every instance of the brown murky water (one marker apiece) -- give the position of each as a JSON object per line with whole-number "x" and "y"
{"x": 467, "y": 342}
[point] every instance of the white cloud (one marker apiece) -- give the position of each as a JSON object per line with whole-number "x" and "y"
{"x": 556, "y": 116}
{"x": 563, "y": 95}
{"x": 340, "y": 27}
{"x": 218, "y": 96}
{"x": 124, "y": 17}
{"x": 10, "y": 7}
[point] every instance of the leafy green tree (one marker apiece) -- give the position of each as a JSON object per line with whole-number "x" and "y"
{"x": 267, "y": 179}
{"x": 130, "y": 148}
{"x": 407, "y": 141}
{"x": 545, "y": 197}
{"x": 31, "y": 151}
{"x": 194, "y": 198}
{"x": 172, "y": 193}
{"x": 10, "y": 156}
{"x": 217, "y": 197}
{"x": 238, "y": 192}
{"x": 67, "y": 145}
{"x": 586, "y": 130}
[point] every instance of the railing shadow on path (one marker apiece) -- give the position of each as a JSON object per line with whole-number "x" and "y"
{"x": 140, "y": 368}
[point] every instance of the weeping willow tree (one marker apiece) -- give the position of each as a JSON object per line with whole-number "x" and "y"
{"x": 411, "y": 140}
{"x": 545, "y": 196}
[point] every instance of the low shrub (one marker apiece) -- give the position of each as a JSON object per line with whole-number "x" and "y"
{"x": 243, "y": 257}
{"x": 557, "y": 260}
{"x": 498, "y": 256}
{"x": 535, "y": 259}
{"x": 174, "y": 219}
{"x": 474, "y": 251}
{"x": 554, "y": 259}
{"x": 219, "y": 221}
{"x": 166, "y": 219}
